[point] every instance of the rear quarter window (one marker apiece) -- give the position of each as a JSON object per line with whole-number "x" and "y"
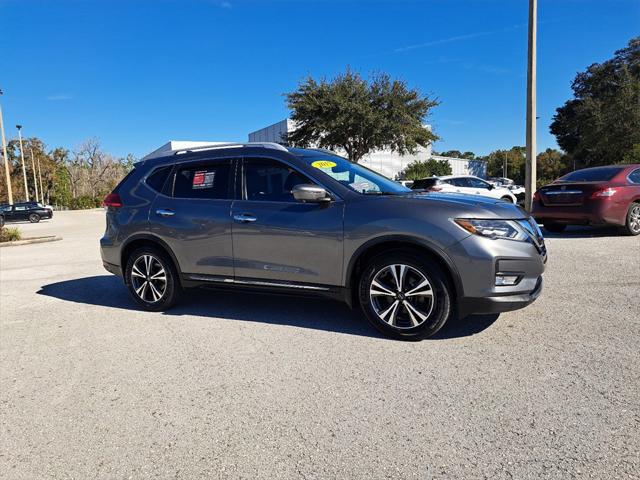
{"x": 158, "y": 178}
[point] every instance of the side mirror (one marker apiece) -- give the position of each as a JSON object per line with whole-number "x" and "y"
{"x": 491, "y": 186}
{"x": 308, "y": 193}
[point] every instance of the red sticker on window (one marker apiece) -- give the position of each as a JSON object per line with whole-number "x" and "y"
{"x": 198, "y": 178}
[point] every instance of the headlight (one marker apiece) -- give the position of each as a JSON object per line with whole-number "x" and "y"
{"x": 493, "y": 229}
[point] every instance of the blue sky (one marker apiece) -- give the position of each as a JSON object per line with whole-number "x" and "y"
{"x": 138, "y": 73}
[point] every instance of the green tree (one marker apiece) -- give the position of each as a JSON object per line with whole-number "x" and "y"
{"x": 359, "y": 115}
{"x": 601, "y": 124}
{"x": 458, "y": 154}
{"x": 429, "y": 168}
{"x": 514, "y": 160}
{"x": 552, "y": 164}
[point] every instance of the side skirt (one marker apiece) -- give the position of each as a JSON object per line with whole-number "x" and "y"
{"x": 277, "y": 287}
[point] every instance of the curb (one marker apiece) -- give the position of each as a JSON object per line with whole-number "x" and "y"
{"x": 28, "y": 241}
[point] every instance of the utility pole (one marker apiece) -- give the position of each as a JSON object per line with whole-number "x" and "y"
{"x": 41, "y": 189}
{"x": 506, "y": 164}
{"x": 6, "y": 159}
{"x": 35, "y": 178}
{"x": 530, "y": 176}
{"x": 24, "y": 170}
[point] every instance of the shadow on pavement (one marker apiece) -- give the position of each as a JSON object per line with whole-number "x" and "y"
{"x": 302, "y": 312}
{"x": 584, "y": 232}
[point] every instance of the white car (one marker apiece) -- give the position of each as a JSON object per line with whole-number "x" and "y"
{"x": 474, "y": 186}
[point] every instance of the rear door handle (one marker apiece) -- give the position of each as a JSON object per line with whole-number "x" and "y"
{"x": 244, "y": 218}
{"x": 165, "y": 213}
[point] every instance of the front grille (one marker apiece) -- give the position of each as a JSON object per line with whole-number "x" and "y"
{"x": 558, "y": 197}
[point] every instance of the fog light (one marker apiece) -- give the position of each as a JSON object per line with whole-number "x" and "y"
{"x": 507, "y": 280}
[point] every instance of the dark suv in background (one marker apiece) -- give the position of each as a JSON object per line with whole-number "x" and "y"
{"x": 288, "y": 220}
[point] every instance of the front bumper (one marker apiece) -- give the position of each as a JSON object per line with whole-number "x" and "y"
{"x": 478, "y": 261}
{"x": 499, "y": 303}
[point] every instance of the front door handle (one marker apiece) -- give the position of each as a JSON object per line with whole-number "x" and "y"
{"x": 244, "y": 218}
{"x": 165, "y": 213}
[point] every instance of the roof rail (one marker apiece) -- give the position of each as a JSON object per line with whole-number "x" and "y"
{"x": 324, "y": 150}
{"x": 275, "y": 146}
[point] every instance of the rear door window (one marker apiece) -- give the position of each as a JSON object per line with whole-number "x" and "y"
{"x": 460, "y": 182}
{"x": 634, "y": 177}
{"x": 209, "y": 180}
{"x": 477, "y": 183}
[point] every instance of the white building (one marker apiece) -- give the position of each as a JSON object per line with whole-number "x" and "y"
{"x": 175, "y": 145}
{"x": 385, "y": 162}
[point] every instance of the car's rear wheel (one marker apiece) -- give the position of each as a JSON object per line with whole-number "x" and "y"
{"x": 405, "y": 296}
{"x": 507, "y": 199}
{"x": 554, "y": 227}
{"x": 152, "y": 279}
{"x": 632, "y": 226}
{"x": 34, "y": 218}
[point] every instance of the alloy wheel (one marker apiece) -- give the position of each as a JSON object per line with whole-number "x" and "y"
{"x": 634, "y": 219}
{"x": 148, "y": 278}
{"x": 401, "y": 296}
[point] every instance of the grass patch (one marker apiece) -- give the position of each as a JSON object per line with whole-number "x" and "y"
{"x": 9, "y": 234}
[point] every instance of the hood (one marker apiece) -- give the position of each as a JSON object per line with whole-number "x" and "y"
{"x": 467, "y": 206}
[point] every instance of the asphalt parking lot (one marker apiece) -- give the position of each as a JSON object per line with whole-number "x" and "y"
{"x": 250, "y": 386}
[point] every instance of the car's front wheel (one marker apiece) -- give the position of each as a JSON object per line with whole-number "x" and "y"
{"x": 632, "y": 225}
{"x": 34, "y": 218}
{"x": 152, "y": 279}
{"x": 405, "y": 296}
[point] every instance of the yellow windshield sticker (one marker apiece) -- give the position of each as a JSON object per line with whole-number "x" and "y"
{"x": 323, "y": 164}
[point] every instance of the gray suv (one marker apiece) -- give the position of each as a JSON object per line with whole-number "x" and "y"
{"x": 304, "y": 221}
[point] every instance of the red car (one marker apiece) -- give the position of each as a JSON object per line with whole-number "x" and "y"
{"x": 607, "y": 195}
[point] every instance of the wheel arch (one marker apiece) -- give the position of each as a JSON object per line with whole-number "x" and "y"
{"x": 142, "y": 240}
{"x": 399, "y": 242}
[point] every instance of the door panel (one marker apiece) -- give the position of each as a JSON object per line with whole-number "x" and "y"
{"x": 277, "y": 238}
{"x": 197, "y": 227}
{"x": 297, "y": 242}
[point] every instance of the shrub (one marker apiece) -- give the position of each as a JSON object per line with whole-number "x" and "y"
{"x": 418, "y": 170}
{"x": 84, "y": 202}
{"x": 9, "y": 234}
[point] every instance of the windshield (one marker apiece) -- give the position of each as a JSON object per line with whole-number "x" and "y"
{"x": 592, "y": 175}
{"x": 354, "y": 176}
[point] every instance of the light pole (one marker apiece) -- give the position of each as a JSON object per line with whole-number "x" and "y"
{"x": 530, "y": 174}
{"x": 40, "y": 175}
{"x": 6, "y": 159}
{"x": 24, "y": 170}
{"x": 35, "y": 178}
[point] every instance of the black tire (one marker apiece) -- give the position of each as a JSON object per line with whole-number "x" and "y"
{"x": 507, "y": 199}
{"x": 632, "y": 225}
{"x": 401, "y": 326}
{"x": 1, "y": 221}
{"x": 554, "y": 227}
{"x": 172, "y": 292}
{"x": 34, "y": 217}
